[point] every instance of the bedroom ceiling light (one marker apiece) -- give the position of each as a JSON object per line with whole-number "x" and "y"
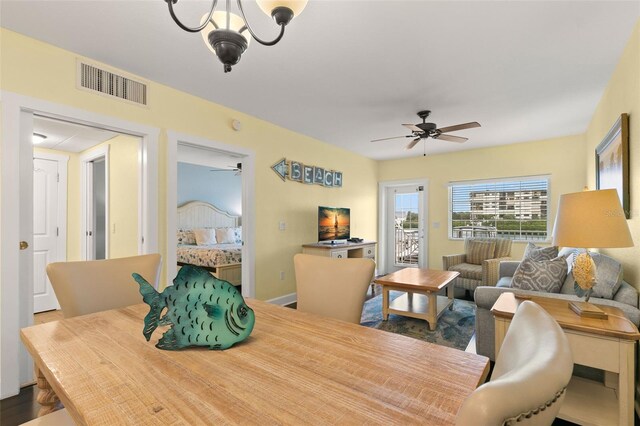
{"x": 38, "y": 138}
{"x": 225, "y": 33}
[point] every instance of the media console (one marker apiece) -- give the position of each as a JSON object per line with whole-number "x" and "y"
{"x": 366, "y": 249}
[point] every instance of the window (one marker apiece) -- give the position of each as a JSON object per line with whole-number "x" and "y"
{"x": 514, "y": 208}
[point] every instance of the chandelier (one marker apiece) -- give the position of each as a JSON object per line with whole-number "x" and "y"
{"x": 225, "y": 33}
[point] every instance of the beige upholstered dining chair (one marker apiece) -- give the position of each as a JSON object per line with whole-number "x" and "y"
{"x": 57, "y": 418}
{"x": 529, "y": 378}
{"x": 331, "y": 287}
{"x": 97, "y": 285}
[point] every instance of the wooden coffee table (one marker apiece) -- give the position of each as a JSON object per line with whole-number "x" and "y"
{"x": 421, "y": 299}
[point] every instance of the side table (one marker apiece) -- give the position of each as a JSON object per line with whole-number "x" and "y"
{"x": 607, "y": 344}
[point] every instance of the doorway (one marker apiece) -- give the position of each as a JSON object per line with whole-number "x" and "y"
{"x": 94, "y": 184}
{"x": 229, "y": 157}
{"x": 16, "y": 244}
{"x": 49, "y": 224}
{"x": 403, "y": 218}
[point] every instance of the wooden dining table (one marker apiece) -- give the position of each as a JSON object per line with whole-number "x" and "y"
{"x": 295, "y": 368}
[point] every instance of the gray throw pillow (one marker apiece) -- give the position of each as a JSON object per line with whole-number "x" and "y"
{"x": 545, "y": 276}
{"x": 608, "y": 276}
{"x": 538, "y": 254}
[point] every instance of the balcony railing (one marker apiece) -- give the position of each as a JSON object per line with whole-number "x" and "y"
{"x": 407, "y": 247}
{"x": 489, "y": 231}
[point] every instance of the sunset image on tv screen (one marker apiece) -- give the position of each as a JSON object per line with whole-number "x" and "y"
{"x": 333, "y": 223}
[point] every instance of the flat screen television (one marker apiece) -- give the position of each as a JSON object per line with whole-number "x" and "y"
{"x": 333, "y": 224}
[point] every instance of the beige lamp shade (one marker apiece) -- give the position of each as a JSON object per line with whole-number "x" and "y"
{"x": 591, "y": 219}
{"x": 296, "y": 6}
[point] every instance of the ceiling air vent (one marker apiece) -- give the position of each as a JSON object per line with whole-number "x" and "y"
{"x": 112, "y": 84}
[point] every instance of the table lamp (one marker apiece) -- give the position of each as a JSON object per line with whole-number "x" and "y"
{"x": 590, "y": 219}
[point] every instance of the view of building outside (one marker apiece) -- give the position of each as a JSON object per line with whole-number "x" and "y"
{"x": 516, "y": 210}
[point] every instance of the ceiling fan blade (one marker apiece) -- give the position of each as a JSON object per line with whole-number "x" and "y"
{"x": 451, "y": 138}
{"x": 460, "y": 127}
{"x": 413, "y": 143}
{"x": 413, "y": 128}
{"x": 395, "y": 137}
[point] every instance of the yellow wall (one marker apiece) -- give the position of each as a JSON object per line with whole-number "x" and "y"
{"x": 123, "y": 196}
{"x": 560, "y": 158}
{"x": 622, "y": 95}
{"x": 123, "y": 193}
{"x": 22, "y": 71}
{"x": 568, "y": 160}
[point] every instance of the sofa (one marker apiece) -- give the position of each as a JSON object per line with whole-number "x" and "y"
{"x": 625, "y": 298}
{"x": 478, "y": 265}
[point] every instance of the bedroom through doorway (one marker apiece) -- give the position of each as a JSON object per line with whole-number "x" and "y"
{"x": 209, "y": 205}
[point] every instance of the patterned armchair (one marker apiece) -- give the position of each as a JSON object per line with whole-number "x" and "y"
{"x": 479, "y": 263}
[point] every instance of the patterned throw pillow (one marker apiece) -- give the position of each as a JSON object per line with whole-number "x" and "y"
{"x": 477, "y": 251}
{"x": 546, "y": 276}
{"x": 186, "y": 237}
{"x": 538, "y": 254}
{"x": 237, "y": 232}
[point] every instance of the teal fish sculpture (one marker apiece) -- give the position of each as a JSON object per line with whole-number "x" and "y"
{"x": 201, "y": 310}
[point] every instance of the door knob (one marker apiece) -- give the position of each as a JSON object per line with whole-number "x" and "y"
{"x": 24, "y": 245}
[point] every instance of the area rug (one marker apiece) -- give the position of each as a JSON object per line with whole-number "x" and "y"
{"x": 455, "y": 327}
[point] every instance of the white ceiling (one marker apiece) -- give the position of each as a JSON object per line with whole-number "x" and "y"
{"x": 69, "y": 137}
{"x": 207, "y": 157}
{"x": 347, "y": 72}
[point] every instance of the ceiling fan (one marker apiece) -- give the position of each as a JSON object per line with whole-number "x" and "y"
{"x": 430, "y": 130}
{"x": 237, "y": 169}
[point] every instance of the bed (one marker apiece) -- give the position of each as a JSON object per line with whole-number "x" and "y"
{"x": 222, "y": 257}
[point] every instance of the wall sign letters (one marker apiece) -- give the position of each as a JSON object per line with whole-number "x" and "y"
{"x": 296, "y": 171}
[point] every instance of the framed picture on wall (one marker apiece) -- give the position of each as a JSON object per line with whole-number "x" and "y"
{"x": 612, "y": 162}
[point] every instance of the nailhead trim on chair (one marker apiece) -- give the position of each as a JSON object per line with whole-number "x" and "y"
{"x": 520, "y": 417}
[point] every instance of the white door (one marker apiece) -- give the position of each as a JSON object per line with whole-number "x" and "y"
{"x": 90, "y": 216}
{"x": 45, "y": 231}
{"x": 405, "y": 227}
{"x": 94, "y": 184}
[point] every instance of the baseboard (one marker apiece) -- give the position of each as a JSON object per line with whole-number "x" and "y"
{"x": 287, "y": 299}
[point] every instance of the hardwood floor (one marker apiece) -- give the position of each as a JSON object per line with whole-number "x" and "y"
{"x": 20, "y": 408}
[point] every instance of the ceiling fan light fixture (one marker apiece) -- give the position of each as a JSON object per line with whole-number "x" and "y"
{"x": 426, "y": 130}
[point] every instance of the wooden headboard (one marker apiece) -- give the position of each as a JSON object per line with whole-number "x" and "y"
{"x": 199, "y": 214}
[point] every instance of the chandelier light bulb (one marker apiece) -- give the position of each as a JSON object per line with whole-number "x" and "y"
{"x": 220, "y": 18}
{"x": 271, "y": 7}
{"x": 229, "y": 40}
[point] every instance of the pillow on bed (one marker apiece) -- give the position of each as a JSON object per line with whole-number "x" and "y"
{"x": 205, "y": 236}
{"x": 186, "y": 237}
{"x": 237, "y": 234}
{"x": 225, "y": 236}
